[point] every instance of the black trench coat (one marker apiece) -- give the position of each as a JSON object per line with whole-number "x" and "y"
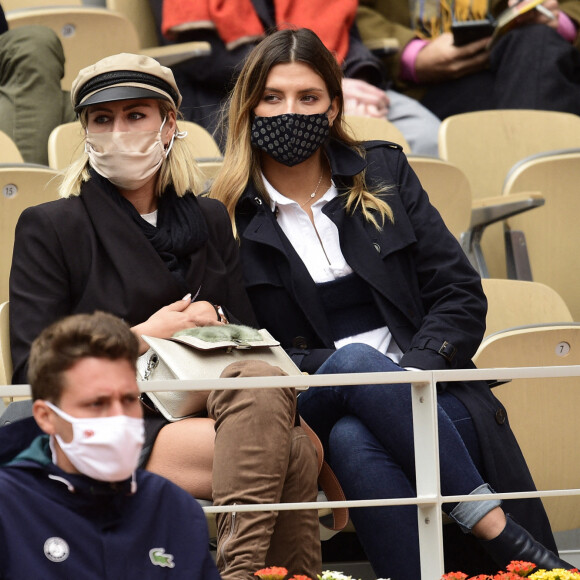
{"x": 424, "y": 286}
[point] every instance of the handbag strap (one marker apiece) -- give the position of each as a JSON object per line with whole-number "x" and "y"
{"x": 328, "y": 482}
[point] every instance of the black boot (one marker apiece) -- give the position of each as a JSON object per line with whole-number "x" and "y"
{"x": 516, "y": 543}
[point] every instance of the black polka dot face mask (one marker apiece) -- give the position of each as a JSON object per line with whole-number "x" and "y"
{"x": 290, "y": 138}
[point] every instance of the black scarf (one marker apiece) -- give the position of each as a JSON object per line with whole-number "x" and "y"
{"x": 181, "y": 228}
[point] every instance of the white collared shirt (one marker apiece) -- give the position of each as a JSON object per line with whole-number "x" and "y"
{"x": 318, "y": 246}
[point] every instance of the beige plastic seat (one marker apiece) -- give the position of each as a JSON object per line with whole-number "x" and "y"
{"x": 5, "y": 355}
{"x": 543, "y": 412}
{"x": 140, "y": 14}
{"x": 19, "y": 4}
{"x": 512, "y": 303}
{"x": 66, "y": 144}
{"x": 21, "y": 186}
{"x": 486, "y": 144}
{"x": 368, "y": 129}
{"x": 9, "y": 152}
{"x": 552, "y": 236}
{"x": 205, "y": 147}
{"x": 448, "y": 191}
{"x": 87, "y": 33}
{"x": 210, "y": 169}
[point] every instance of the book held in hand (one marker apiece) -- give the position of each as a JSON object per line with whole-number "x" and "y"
{"x": 471, "y": 30}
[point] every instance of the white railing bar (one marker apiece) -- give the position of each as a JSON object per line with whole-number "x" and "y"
{"x": 426, "y": 443}
{"x": 304, "y": 381}
{"x": 506, "y": 373}
{"x": 419, "y": 501}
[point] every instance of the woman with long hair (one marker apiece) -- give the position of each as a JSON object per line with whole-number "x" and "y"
{"x": 347, "y": 264}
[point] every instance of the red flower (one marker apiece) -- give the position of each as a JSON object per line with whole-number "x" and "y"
{"x": 454, "y": 576}
{"x": 300, "y": 577}
{"x": 520, "y": 567}
{"x": 272, "y": 573}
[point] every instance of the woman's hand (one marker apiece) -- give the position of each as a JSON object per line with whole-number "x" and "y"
{"x": 364, "y": 99}
{"x": 440, "y": 60}
{"x": 203, "y": 314}
{"x": 174, "y": 317}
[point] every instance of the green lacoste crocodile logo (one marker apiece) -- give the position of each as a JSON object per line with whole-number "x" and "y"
{"x": 158, "y": 557}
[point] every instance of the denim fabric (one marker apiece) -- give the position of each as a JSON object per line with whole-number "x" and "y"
{"x": 467, "y": 514}
{"x": 368, "y": 435}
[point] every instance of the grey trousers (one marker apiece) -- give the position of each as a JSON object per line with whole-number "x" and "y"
{"x": 417, "y": 123}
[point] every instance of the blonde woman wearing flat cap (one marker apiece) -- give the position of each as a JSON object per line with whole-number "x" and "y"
{"x": 130, "y": 237}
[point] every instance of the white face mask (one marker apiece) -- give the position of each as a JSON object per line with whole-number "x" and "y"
{"x": 104, "y": 448}
{"x": 128, "y": 159}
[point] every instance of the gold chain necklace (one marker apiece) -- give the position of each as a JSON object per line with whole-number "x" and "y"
{"x": 313, "y": 194}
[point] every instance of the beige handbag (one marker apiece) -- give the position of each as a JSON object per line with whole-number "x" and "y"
{"x": 203, "y": 353}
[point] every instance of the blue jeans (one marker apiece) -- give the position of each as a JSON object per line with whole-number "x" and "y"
{"x": 367, "y": 431}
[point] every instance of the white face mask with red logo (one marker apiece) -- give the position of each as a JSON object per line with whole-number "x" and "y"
{"x": 104, "y": 448}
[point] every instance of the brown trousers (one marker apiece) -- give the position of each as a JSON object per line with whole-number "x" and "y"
{"x": 262, "y": 457}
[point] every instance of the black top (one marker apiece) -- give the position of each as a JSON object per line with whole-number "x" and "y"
{"x": 3, "y": 23}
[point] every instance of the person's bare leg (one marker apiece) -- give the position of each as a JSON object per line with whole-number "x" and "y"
{"x": 183, "y": 453}
{"x": 490, "y": 525}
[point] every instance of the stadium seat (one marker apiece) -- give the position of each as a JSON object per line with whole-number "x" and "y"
{"x": 370, "y": 128}
{"x": 22, "y": 186}
{"x": 87, "y": 34}
{"x": 5, "y": 356}
{"x": 448, "y": 190}
{"x": 139, "y": 12}
{"x": 552, "y": 237}
{"x": 512, "y": 303}
{"x": 542, "y": 411}
{"x": 486, "y": 144}
{"x": 9, "y": 152}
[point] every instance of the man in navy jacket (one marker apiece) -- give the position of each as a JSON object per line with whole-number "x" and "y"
{"x": 74, "y": 505}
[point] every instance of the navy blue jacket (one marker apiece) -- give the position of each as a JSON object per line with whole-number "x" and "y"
{"x": 422, "y": 283}
{"x": 421, "y": 280}
{"x": 55, "y": 525}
